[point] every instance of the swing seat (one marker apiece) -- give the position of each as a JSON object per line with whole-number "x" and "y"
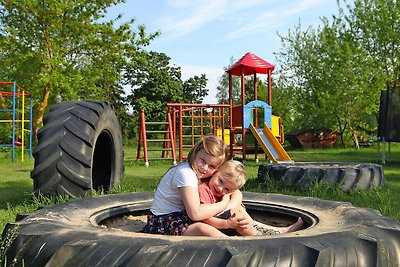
{"x": 17, "y": 143}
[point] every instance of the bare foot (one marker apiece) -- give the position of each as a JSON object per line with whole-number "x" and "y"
{"x": 296, "y": 226}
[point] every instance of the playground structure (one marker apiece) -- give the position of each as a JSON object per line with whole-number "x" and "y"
{"x": 192, "y": 121}
{"x": 185, "y": 125}
{"x": 237, "y": 125}
{"x": 158, "y": 135}
{"x": 16, "y": 111}
{"x": 389, "y": 120}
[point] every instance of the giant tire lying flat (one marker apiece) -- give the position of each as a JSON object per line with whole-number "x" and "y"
{"x": 79, "y": 149}
{"x": 349, "y": 176}
{"x": 339, "y": 234}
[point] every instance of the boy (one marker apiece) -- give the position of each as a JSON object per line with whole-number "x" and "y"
{"x": 229, "y": 178}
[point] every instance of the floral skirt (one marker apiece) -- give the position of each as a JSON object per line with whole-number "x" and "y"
{"x": 168, "y": 224}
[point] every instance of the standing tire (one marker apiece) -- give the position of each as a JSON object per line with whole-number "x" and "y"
{"x": 79, "y": 149}
{"x": 75, "y": 234}
{"x": 349, "y": 176}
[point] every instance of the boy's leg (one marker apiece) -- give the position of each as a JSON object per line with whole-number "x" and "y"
{"x": 202, "y": 229}
{"x": 296, "y": 226}
{"x": 248, "y": 229}
{"x": 291, "y": 228}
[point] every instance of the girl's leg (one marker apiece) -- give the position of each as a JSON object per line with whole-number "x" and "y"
{"x": 202, "y": 229}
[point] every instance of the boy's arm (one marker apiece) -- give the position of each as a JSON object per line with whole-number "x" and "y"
{"x": 234, "y": 222}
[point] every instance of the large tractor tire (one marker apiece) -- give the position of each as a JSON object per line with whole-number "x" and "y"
{"x": 79, "y": 150}
{"x": 349, "y": 176}
{"x": 81, "y": 233}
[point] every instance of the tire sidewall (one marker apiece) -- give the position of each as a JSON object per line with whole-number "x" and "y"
{"x": 108, "y": 123}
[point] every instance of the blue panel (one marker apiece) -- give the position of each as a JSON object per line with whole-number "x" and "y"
{"x": 248, "y": 114}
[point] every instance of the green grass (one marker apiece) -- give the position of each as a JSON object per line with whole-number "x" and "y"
{"x": 16, "y": 184}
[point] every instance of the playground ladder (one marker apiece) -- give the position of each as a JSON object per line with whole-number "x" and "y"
{"x": 146, "y": 136}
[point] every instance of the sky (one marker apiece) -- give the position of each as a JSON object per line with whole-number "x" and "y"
{"x": 202, "y": 36}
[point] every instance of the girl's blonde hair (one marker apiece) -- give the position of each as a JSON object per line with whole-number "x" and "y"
{"x": 235, "y": 172}
{"x": 212, "y": 145}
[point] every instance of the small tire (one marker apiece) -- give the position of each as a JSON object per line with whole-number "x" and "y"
{"x": 349, "y": 176}
{"x": 73, "y": 234}
{"x": 79, "y": 149}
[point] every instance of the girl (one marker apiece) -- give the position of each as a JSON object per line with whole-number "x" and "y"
{"x": 176, "y": 205}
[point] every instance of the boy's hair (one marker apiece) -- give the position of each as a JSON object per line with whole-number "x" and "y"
{"x": 235, "y": 171}
{"x": 212, "y": 145}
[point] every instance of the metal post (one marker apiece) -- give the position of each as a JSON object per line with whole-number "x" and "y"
{"x": 23, "y": 126}
{"x": 30, "y": 126}
{"x": 180, "y": 135}
{"x": 13, "y": 123}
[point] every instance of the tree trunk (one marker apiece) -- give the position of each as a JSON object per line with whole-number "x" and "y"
{"x": 341, "y": 132}
{"x": 47, "y": 88}
{"x": 42, "y": 109}
{"x": 355, "y": 137}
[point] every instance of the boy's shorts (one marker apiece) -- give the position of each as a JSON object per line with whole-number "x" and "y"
{"x": 167, "y": 224}
{"x": 225, "y": 215}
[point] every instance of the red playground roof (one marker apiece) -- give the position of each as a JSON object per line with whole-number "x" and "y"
{"x": 252, "y": 64}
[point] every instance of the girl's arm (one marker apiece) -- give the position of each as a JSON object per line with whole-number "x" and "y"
{"x": 235, "y": 201}
{"x": 218, "y": 223}
{"x": 197, "y": 211}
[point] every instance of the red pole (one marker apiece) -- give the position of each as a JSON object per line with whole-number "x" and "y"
{"x": 167, "y": 136}
{"x": 143, "y": 124}
{"x": 231, "y": 134}
{"x": 222, "y": 118}
{"x": 180, "y": 134}
{"x": 269, "y": 88}
{"x": 243, "y": 104}
{"x": 172, "y": 138}
{"x": 255, "y": 116}
{"x": 214, "y": 121}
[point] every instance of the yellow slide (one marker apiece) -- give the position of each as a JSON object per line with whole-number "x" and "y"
{"x": 270, "y": 144}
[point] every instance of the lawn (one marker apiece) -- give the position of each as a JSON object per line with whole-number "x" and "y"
{"x": 16, "y": 184}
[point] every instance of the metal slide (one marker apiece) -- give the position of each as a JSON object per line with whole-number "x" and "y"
{"x": 270, "y": 144}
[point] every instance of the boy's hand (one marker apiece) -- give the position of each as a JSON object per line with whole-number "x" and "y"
{"x": 238, "y": 220}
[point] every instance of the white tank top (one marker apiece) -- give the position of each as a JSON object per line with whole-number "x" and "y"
{"x": 167, "y": 198}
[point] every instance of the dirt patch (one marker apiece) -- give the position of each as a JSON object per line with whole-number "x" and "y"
{"x": 277, "y": 220}
{"x": 130, "y": 223}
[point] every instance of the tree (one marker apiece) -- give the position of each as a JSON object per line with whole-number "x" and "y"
{"x": 156, "y": 82}
{"x": 63, "y": 50}
{"x": 223, "y": 86}
{"x": 194, "y": 89}
{"x": 332, "y": 75}
{"x": 375, "y": 25}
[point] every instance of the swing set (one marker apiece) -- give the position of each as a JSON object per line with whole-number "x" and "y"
{"x": 16, "y": 111}
{"x": 186, "y": 124}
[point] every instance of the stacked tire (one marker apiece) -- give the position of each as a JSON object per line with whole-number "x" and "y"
{"x": 349, "y": 176}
